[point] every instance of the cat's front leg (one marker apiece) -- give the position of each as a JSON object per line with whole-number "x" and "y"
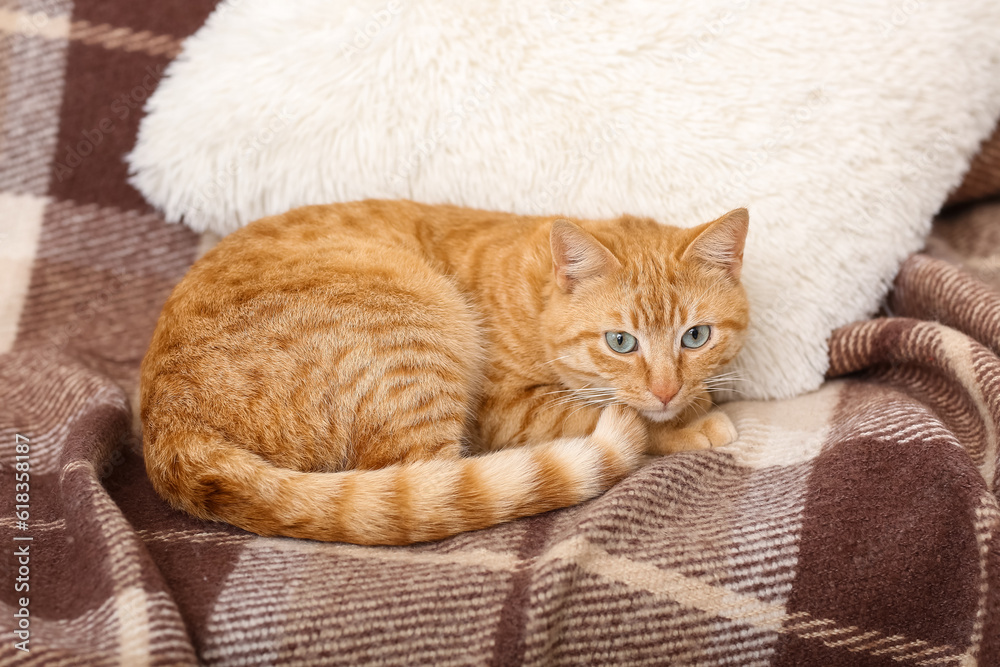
{"x": 520, "y": 414}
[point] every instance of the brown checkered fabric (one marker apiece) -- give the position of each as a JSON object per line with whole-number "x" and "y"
{"x": 858, "y": 525}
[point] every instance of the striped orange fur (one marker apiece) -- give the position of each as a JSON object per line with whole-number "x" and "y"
{"x": 387, "y": 372}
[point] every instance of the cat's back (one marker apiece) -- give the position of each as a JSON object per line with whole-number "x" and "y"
{"x": 276, "y": 333}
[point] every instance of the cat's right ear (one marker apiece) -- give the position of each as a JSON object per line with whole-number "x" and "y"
{"x": 721, "y": 242}
{"x": 576, "y": 255}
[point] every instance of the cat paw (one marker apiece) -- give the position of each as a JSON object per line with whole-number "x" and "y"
{"x": 717, "y": 429}
{"x": 713, "y": 430}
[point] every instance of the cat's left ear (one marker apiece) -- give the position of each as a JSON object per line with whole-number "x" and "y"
{"x": 721, "y": 242}
{"x": 577, "y": 255}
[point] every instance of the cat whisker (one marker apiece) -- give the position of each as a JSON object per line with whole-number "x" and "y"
{"x": 570, "y": 415}
{"x": 568, "y": 389}
{"x": 732, "y": 376}
{"x": 596, "y": 400}
{"x": 584, "y": 400}
{"x": 563, "y": 391}
{"x": 557, "y": 391}
{"x": 720, "y": 386}
{"x": 595, "y": 403}
{"x": 722, "y": 383}
{"x": 564, "y": 401}
{"x": 702, "y": 404}
{"x": 713, "y": 390}
{"x": 712, "y": 382}
{"x": 725, "y": 381}
{"x": 587, "y": 390}
{"x": 591, "y": 394}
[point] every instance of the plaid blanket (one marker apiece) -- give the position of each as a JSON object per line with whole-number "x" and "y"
{"x": 858, "y": 525}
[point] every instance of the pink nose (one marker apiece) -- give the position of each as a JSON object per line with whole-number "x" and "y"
{"x": 664, "y": 391}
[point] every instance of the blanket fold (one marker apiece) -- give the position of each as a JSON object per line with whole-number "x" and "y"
{"x": 91, "y": 588}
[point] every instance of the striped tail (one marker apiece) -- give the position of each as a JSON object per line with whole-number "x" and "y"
{"x": 410, "y": 502}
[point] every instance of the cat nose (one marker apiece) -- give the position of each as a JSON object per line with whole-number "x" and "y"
{"x": 664, "y": 391}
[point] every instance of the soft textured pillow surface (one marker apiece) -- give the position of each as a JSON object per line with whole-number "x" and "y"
{"x": 842, "y": 126}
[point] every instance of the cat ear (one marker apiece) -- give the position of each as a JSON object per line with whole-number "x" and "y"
{"x": 576, "y": 255}
{"x": 721, "y": 241}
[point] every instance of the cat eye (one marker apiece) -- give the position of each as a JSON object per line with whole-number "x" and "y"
{"x": 696, "y": 336}
{"x": 621, "y": 342}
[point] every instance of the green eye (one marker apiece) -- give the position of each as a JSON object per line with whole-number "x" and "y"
{"x": 621, "y": 342}
{"x": 696, "y": 336}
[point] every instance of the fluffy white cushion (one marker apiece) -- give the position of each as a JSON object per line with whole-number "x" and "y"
{"x": 842, "y": 126}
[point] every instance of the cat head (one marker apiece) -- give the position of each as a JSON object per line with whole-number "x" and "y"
{"x": 645, "y": 314}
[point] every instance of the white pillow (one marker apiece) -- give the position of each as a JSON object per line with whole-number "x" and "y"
{"x": 842, "y": 126}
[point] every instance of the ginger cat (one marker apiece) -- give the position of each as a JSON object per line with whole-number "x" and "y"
{"x": 326, "y": 373}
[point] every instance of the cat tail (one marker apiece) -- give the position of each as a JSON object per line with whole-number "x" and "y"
{"x": 407, "y": 502}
